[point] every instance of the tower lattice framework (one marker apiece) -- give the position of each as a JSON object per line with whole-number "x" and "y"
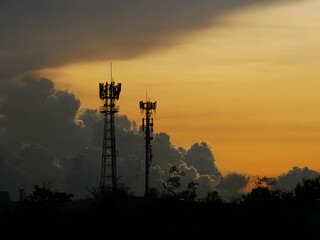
{"x": 109, "y": 93}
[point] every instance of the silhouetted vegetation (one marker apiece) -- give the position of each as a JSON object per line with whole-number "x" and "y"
{"x": 170, "y": 211}
{"x": 213, "y": 197}
{"x": 42, "y": 196}
{"x": 172, "y": 185}
{"x": 307, "y": 193}
{"x": 105, "y": 193}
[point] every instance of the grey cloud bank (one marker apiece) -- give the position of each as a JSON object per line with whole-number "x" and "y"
{"x": 36, "y": 34}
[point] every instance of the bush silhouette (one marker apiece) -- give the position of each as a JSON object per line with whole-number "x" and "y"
{"x": 43, "y": 196}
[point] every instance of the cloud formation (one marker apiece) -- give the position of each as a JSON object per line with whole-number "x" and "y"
{"x": 233, "y": 184}
{"x": 287, "y": 181}
{"x": 38, "y": 113}
{"x": 201, "y": 157}
{"x": 47, "y": 137}
{"x": 36, "y": 34}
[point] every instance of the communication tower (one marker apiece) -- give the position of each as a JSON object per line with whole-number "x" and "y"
{"x": 147, "y": 127}
{"x": 109, "y": 93}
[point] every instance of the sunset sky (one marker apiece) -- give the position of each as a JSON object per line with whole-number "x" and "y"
{"x": 245, "y": 79}
{"x": 247, "y": 85}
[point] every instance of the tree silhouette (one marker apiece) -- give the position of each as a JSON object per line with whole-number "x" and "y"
{"x": 264, "y": 182}
{"x": 213, "y": 197}
{"x": 191, "y": 193}
{"x": 173, "y": 183}
{"x": 262, "y": 193}
{"x": 43, "y": 196}
{"x": 307, "y": 193}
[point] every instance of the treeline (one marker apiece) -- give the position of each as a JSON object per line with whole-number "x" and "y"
{"x": 305, "y": 194}
{"x": 170, "y": 211}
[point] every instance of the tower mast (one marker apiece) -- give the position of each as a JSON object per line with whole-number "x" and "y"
{"x": 147, "y": 127}
{"x": 109, "y": 93}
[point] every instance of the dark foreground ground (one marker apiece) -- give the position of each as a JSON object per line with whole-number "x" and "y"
{"x": 158, "y": 218}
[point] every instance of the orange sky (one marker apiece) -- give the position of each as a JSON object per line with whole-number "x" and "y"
{"x": 249, "y": 87}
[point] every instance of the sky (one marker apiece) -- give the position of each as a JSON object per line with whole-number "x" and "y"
{"x": 247, "y": 86}
{"x": 241, "y": 76}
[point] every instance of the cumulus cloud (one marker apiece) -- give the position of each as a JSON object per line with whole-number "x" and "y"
{"x": 233, "y": 184}
{"x": 37, "y": 34}
{"x": 200, "y": 156}
{"x": 81, "y": 171}
{"x": 10, "y": 178}
{"x": 165, "y": 153}
{"x": 287, "y": 181}
{"x": 205, "y": 182}
{"x": 37, "y": 113}
{"x": 47, "y": 137}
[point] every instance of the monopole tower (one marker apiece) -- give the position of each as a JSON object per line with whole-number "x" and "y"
{"x": 147, "y": 126}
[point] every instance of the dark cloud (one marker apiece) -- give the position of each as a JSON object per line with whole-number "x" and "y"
{"x": 27, "y": 165}
{"x": 10, "y": 178}
{"x": 81, "y": 171}
{"x": 35, "y": 112}
{"x": 287, "y": 181}
{"x": 233, "y": 184}
{"x": 165, "y": 154}
{"x": 35, "y": 34}
{"x": 37, "y": 161}
{"x": 200, "y": 156}
{"x": 205, "y": 182}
